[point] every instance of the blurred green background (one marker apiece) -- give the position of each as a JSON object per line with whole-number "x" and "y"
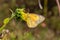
{"x": 18, "y": 30}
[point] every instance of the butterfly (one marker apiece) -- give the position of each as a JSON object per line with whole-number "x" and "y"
{"x": 32, "y": 19}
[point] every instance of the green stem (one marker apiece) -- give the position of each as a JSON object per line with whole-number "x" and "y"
{"x": 2, "y": 27}
{"x": 45, "y": 7}
{"x": 13, "y": 15}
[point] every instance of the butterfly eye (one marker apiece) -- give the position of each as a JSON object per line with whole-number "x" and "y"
{"x": 18, "y": 10}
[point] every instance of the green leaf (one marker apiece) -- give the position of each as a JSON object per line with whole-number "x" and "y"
{"x": 29, "y": 36}
{"x": 13, "y": 36}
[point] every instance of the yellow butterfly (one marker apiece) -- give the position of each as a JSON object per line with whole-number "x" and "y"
{"x": 32, "y": 19}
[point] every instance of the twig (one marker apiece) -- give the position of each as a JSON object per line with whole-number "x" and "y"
{"x": 57, "y": 1}
{"x": 40, "y": 4}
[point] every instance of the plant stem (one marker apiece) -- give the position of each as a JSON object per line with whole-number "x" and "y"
{"x": 45, "y": 7}
{"x": 13, "y": 15}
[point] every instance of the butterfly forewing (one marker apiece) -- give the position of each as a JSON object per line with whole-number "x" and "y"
{"x": 33, "y": 20}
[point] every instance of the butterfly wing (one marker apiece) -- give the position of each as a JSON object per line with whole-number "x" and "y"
{"x": 33, "y": 20}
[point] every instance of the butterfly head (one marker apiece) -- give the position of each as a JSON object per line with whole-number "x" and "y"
{"x": 19, "y": 13}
